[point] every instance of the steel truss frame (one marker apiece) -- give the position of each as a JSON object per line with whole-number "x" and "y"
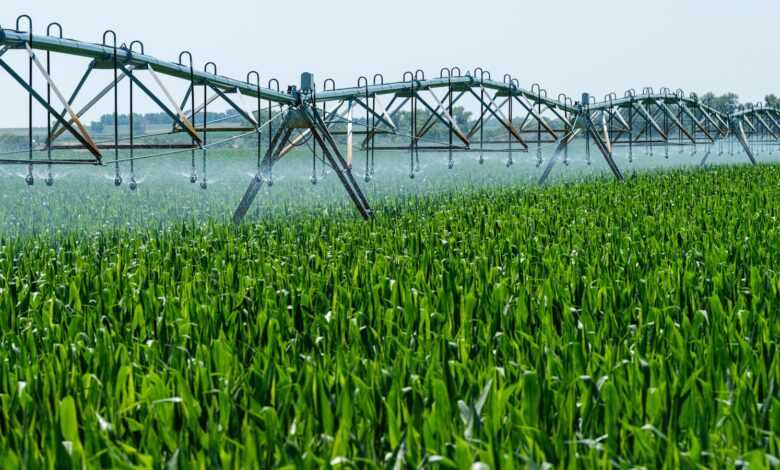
{"x": 414, "y": 115}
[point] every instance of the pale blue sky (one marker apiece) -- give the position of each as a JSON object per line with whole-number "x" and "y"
{"x": 568, "y": 46}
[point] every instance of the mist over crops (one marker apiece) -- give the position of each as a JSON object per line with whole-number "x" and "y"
{"x": 85, "y": 198}
{"x": 479, "y": 320}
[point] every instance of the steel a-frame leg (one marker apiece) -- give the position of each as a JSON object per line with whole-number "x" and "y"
{"x": 590, "y": 129}
{"x": 739, "y": 131}
{"x": 563, "y": 142}
{"x": 319, "y": 131}
{"x": 603, "y": 145}
{"x": 277, "y": 143}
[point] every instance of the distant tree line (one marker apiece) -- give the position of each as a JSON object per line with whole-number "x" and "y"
{"x": 729, "y": 102}
{"x": 13, "y": 142}
{"x": 141, "y": 121}
{"x": 726, "y": 103}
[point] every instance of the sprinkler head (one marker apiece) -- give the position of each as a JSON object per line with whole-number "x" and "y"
{"x": 411, "y": 175}
{"x": 133, "y": 183}
{"x": 49, "y": 180}
{"x": 193, "y": 178}
{"x": 450, "y": 165}
{"x": 313, "y": 180}
{"x": 367, "y": 178}
{"x": 258, "y": 178}
{"x": 29, "y": 179}
{"x": 270, "y": 182}
{"x": 117, "y": 180}
{"x": 509, "y": 163}
{"x": 203, "y": 184}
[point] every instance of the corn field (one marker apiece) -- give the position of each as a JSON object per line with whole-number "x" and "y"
{"x": 590, "y": 325}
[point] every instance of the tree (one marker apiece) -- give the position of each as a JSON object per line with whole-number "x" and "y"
{"x": 725, "y": 103}
{"x": 139, "y": 124}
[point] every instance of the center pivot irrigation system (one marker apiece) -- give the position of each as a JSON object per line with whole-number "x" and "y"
{"x": 368, "y": 111}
